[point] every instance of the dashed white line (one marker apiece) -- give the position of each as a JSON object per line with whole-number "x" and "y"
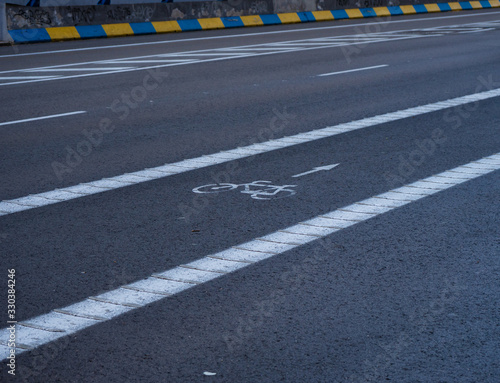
{"x": 353, "y": 70}
{"x": 46, "y": 328}
{"x": 89, "y": 188}
{"x": 41, "y": 118}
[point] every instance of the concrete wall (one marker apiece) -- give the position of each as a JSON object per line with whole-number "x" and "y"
{"x": 346, "y": 4}
{"x": 284, "y": 6}
{"x": 4, "y": 34}
{"x": 20, "y": 17}
{"x": 66, "y": 3}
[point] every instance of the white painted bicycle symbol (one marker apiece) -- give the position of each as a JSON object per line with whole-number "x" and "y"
{"x": 262, "y": 190}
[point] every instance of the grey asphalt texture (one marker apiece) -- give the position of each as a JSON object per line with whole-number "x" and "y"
{"x": 408, "y": 296}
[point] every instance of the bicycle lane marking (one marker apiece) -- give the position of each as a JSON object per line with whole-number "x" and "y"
{"x": 89, "y": 188}
{"x": 43, "y": 329}
{"x": 260, "y": 190}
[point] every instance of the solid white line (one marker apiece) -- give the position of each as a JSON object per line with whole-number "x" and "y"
{"x": 479, "y": 30}
{"x": 46, "y": 328}
{"x": 120, "y": 61}
{"x": 106, "y": 184}
{"x": 252, "y": 48}
{"x": 313, "y": 28}
{"x": 75, "y": 69}
{"x": 217, "y": 52}
{"x": 353, "y": 70}
{"x": 41, "y": 118}
{"x": 25, "y": 77}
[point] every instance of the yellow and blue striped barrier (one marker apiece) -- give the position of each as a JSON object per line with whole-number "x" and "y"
{"x": 128, "y": 29}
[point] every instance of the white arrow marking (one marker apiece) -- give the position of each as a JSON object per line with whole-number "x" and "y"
{"x": 317, "y": 169}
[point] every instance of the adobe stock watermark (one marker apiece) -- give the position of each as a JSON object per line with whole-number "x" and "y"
{"x": 199, "y": 202}
{"x": 119, "y": 277}
{"x": 425, "y": 149}
{"x": 372, "y": 370}
{"x": 363, "y": 34}
{"x": 292, "y": 280}
{"x": 93, "y": 138}
{"x": 41, "y": 358}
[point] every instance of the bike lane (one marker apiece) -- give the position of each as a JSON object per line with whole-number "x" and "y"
{"x": 103, "y": 241}
{"x": 236, "y": 322}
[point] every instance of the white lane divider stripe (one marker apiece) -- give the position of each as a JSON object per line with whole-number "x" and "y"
{"x": 73, "y": 69}
{"x": 46, "y": 328}
{"x": 41, "y": 118}
{"x": 144, "y": 62}
{"x": 353, "y": 70}
{"x": 25, "y": 77}
{"x": 94, "y": 187}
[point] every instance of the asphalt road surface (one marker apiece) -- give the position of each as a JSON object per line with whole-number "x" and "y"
{"x": 321, "y": 204}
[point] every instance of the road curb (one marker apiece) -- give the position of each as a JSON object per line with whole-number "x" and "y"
{"x": 130, "y": 29}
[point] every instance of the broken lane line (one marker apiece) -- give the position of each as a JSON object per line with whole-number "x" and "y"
{"x": 106, "y": 184}
{"x": 43, "y": 329}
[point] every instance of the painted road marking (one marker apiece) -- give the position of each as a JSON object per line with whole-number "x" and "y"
{"x": 220, "y": 52}
{"x": 353, "y": 70}
{"x": 24, "y": 77}
{"x": 202, "y": 56}
{"x": 42, "y": 118}
{"x": 281, "y": 31}
{"x": 237, "y": 51}
{"x": 317, "y": 169}
{"x": 74, "y": 69}
{"x": 261, "y": 190}
{"x": 229, "y": 53}
{"x": 144, "y": 61}
{"x": 46, "y": 328}
{"x": 105, "y": 184}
